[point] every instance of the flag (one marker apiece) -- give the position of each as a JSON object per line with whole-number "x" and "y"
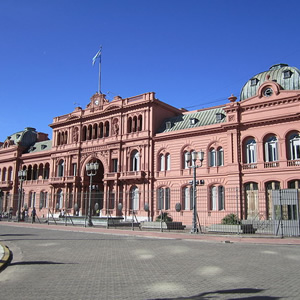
{"x": 98, "y": 54}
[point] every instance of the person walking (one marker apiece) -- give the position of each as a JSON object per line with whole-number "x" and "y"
{"x": 33, "y": 214}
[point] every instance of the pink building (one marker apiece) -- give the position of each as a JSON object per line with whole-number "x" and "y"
{"x": 251, "y": 146}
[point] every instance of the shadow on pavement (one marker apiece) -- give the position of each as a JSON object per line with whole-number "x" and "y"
{"x": 210, "y": 295}
{"x": 40, "y": 262}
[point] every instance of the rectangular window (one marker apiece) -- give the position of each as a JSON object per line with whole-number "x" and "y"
{"x": 115, "y": 165}
{"x": 74, "y": 169}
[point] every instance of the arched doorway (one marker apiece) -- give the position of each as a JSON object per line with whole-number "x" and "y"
{"x": 97, "y": 187}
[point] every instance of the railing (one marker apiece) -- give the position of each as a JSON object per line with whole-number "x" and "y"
{"x": 293, "y": 163}
{"x": 249, "y": 166}
{"x": 273, "y": 164}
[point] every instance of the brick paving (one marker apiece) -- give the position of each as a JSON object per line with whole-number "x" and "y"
{"x": 57, "y": 262}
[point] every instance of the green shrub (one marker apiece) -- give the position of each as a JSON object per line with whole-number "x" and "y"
{"x": 230, "y": 219}
{"x": 165, "y": 218}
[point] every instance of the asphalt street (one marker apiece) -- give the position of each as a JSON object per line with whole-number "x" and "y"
{"x": 63, "y": 264}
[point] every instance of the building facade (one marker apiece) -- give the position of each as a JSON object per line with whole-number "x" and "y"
{"x": 251, "y": 146}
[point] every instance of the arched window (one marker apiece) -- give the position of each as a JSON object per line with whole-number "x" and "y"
{"x": 294, "y": 146}
{"x": 294, "y": 184}
{"x": 251, "y": 151}
{"x": 271, "y": 149}
{"x": 101, "y": 134}
{"x": 84, "y": 133}
{"x": 60, "y": 199}
{"x": 134, "y": 124}
{"x": 9, "y": 174}
{"x": 162, "y": 162}
{"x": 187, "y": 198}
{"x": 106, "y": 129}
{"x": 4, "y": 174}
{"x": 213, "y": 198}
{"x": 46, "y": 171}
{"x": 212, "y": 157}
{"x": 129, "y": 125}
{"x": 90, "y": 132}
{"x": 217, "y": 198}
{"x": 135, "y": 161}
{"x": 186, "y": 163}
{"x": 43, "y": 199}
{"x": 95, "y": 131}
{"x": 168, "y": 161}
{"x": 134, "y": 198}
{"x": 32, "y": 198}
{"x": 35, "y": 172}
{"x": 220, "y": 157}
{"x": 163, "y": 198}
{"x": 140, "y": 123}
{"x": 221, "y": 197}
{"x": 60, "y": 170}
{"x": 58, "y": 138}
{"x": 66, "y": 137}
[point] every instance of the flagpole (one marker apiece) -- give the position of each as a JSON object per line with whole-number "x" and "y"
{"x": 99, "y": 84}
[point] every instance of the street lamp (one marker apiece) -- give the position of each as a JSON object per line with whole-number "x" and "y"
{"x": 188, "y": 158}
{"x": 22, "y": 176}
{"x": 91, "y": 170}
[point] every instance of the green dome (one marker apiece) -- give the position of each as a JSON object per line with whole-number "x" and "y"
{"x": 287, "y": 77}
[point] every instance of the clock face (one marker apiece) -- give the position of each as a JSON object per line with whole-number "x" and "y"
{"x": 96, "y": 102}
{"x": 268, "y": 92}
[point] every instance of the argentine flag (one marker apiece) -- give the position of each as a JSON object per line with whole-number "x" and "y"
{"x": 96, "y": 56}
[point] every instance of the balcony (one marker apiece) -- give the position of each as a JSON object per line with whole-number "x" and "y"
{"x": 129, "y": 175}
{"x": 249, "y": 166}
{"x": 6, "y": 184}
{"x": 35, "y": 182}
{"x": 272, "y": 164}
{"x": 293, "y": 163}
{"x": 112, "y": 176}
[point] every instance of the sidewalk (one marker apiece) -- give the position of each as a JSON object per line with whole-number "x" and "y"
{"x": 228, "y": 238}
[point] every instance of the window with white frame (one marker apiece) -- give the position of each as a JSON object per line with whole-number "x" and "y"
{"x": 43, "y": 199}
{"x": 135, "y": 161}
{"x": 186, "y": 163}
{"x": 60, "y": 170}
{"x": 220, "y": 157}
{"x": 187, "y": 198}
{"x": 294, "y": 145}
{"x": 163, "y": 198}
{"x": 168, "y": 161}
{"x": 212, "y": 157}
{"x": 134, "y": 198}
{"x": 216, "y": 157}
{"x": 162, "y": 162}
{"x": 217, "y": 198}
{"x": 251, "y": 151}
{"x": 271, "y": 149}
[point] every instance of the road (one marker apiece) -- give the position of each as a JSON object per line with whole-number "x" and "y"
{"x": 60, "y": 264}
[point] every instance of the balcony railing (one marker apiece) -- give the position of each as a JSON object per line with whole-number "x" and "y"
{"x": 293, "y": 163}
{"x": 249, "y": 166}
{"x": 272, "y": 164}
{"x": 112, "y": 176}
{"x": 132, "y": 175}
{"x": 5, "y": 184}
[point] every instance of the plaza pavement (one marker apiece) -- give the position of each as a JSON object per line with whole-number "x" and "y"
{"x": 6, "y": 255}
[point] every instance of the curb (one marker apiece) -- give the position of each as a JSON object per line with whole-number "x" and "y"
{"x": 6, "y": 258}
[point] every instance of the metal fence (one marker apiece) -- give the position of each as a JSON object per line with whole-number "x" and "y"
{"x": 218, "y": 211}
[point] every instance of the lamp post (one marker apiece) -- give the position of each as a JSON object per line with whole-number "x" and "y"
{"x": 194, "y": 166}
{"x": 91, "y": 170}
{"x": 22, "y": 176}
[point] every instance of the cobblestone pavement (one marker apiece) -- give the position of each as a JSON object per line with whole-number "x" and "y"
{"x": 70, "y": 264}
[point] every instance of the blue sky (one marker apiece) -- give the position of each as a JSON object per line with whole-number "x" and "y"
{"x": 191, "y": 53}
